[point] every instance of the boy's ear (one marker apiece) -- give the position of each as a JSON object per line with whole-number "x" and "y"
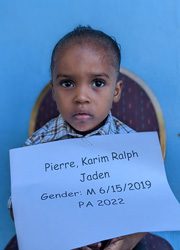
{"x": 52, "y": 89}
{"x": 118, "y": 90}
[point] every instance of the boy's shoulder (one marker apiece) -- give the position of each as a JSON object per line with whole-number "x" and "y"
{"x": 48, "y": 132}
{"x": 119, "y": 127}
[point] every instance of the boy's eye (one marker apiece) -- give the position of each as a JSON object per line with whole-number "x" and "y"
{"x": 98, "y": 83}
{"x": 67, "y": 84}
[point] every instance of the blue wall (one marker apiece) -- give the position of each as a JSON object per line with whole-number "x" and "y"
{"x": 149, "y": 33}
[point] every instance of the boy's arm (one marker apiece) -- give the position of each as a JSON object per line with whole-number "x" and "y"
{"x": 10, "y": 208}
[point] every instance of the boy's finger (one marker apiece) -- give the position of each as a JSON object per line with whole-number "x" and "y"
{"x": 83, "y": 248}
{"x": 95, "y": 246}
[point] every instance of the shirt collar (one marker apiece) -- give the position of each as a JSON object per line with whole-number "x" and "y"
{"x": 67, "y": 132}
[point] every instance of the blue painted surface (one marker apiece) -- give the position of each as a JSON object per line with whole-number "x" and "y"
{"x": 149, "y": 33}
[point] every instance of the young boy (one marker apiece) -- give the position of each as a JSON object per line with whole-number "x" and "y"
{"x": 85, "y": 71}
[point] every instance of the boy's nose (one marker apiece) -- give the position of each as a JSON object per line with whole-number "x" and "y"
{"x": 81, "y": 95}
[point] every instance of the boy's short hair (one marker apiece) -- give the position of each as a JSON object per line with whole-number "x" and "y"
{"x": 88, "y": 35}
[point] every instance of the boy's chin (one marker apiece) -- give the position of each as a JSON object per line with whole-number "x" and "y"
{"x": 83, "y": 130}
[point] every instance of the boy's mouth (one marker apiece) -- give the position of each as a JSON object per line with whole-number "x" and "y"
{"x": 82, "y": 116}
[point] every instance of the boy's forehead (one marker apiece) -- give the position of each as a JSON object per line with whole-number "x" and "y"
{"x": 86, "y": 60}
{"x": 79, "y": 49}
{"x": 84, "y": 46}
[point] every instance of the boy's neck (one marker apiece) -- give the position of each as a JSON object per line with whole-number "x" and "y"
{"x": 89, "y": 131}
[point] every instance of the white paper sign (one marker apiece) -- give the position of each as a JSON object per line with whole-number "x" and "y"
{"x": 71, "y": 193}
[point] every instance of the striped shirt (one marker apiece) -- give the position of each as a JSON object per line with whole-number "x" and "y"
{"x": 58, "y": 129}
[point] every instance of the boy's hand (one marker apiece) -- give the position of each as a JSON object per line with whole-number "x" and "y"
{"x": 119, "y": 243}
{"x": 95, "y": 246}
{"x": 125, "y": 242}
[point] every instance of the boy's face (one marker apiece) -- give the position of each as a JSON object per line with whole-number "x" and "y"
{"x": 84, "y": 86}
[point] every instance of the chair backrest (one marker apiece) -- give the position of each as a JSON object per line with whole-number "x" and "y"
{"x": 138, "y": 107}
